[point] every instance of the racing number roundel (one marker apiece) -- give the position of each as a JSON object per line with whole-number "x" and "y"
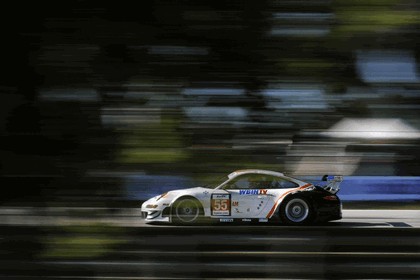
{"x": 220, "y": 204}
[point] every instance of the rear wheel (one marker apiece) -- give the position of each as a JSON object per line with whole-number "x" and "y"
{"x": 296, "y": 211}
{"x": 186, "y": 211}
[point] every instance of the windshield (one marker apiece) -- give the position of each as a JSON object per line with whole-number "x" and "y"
{"x": 214, "y": 181}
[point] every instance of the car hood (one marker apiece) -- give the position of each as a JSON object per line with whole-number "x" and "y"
{"x": 190, "y": 190}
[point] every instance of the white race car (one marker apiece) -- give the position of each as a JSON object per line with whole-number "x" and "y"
{"x": 249, "y": 196}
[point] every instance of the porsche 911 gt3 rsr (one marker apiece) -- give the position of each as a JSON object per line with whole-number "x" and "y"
{"x": 247, "y": 196}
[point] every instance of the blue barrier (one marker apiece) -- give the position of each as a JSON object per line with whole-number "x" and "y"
{"x": 143, "y": 187}
{"x": 353, "y": 188}
{"x": 379, "y": 188}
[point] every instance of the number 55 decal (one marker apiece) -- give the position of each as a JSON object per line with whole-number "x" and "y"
{"x": 220, "y": 204}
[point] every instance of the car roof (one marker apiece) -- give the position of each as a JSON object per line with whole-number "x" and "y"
{"x": 254, "y": 171}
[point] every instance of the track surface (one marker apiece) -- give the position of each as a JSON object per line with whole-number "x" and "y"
{"x": 364, "y": 245}
{"x": 363, "y": 218}
{"x": 131, "y": 218}
{"x": 380, "y": 218}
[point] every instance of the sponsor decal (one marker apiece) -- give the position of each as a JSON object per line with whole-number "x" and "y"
{"x": 263, "y": 220}
{"x": 220, "y": 205}
{"x": 226, "y": 220}
{"x": 252, "y": 192}
{"x": 235, "y": 203}
{"x": 246, "y": 220}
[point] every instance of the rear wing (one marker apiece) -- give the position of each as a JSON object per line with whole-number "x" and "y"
{"x": 333, "y": 183}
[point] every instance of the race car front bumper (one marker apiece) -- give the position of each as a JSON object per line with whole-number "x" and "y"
{"x": 156, "y": 215}
{"x": 156, "y": 210}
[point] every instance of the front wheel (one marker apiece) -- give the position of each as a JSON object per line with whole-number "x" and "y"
{"x": 186, "y": 211}
{"x": 296, "y": 211}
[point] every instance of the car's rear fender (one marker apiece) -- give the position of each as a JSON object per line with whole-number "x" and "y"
{"x": 301, "y": 193}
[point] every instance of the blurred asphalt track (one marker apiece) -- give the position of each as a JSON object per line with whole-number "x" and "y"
{"x": 377, "y": 244}
{"x": 32, "y": 216}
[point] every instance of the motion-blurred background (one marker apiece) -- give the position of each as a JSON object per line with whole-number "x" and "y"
{"x": 105, "y": 102}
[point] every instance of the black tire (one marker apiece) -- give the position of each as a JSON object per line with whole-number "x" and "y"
{"x": 296, "y": 210}
{"x": 186, "y": 211}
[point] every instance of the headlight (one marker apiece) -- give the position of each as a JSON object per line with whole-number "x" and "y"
{"x": 161, "y": 196}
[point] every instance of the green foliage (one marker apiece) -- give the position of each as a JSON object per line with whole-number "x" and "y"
{"x": 357, "y": 16}
{"x": 153, "y": 143}
{"x": 81, "y": 242}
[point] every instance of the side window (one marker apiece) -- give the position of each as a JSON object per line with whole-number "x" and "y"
{"x": 242, "y": 182}
{"x": 284, "y": 184}
{"x": 259, "y": 181}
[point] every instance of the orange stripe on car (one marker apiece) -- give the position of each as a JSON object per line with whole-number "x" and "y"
{"x": 283, "y": 195}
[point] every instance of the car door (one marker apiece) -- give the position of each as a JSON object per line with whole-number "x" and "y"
{"x": 248, "y": 195}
